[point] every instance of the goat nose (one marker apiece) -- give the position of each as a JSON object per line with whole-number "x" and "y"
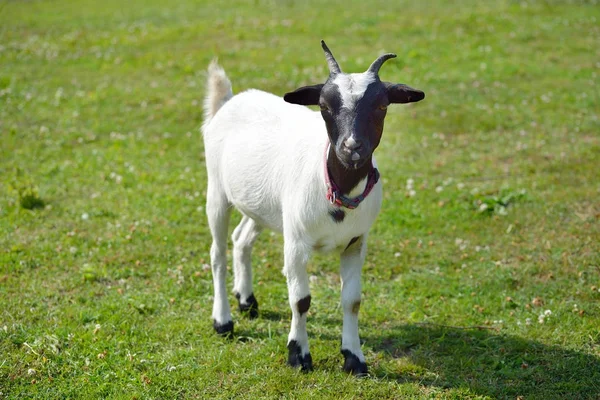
{"x": 352, "y": 144}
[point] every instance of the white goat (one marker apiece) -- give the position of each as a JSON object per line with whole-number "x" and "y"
{"x": 309, "y": 175}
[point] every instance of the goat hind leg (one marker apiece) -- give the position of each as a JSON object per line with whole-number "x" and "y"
{"x": 218, "y": 212}
{"x": 244, "y": 236}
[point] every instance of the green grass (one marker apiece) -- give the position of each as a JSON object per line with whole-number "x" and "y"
{"x": 104, "y": 287}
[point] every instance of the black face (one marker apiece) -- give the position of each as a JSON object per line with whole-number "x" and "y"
{"x": 354, "y": 114}
{"x": 354, "y": 108}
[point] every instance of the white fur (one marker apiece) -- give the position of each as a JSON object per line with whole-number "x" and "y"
{"x": 352, "y": 87}
{"x": 265, "y": 157}
{"x": 218, "y": 90}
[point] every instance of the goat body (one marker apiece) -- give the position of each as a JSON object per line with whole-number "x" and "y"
{"x": 266, "y": 158}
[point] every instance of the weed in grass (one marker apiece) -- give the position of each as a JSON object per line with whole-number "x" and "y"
{"x": 26, "y": 193}
{"x": 497, "y": 203}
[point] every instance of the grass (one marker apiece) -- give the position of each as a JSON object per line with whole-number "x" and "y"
{"x": 483, "y": 269}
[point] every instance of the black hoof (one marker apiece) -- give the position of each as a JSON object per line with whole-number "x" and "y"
{"x": 353, "y": 365}
{"x": 296, "y": 359}
{"x": 225, "y": 330}
{"x": 250, "y": 307}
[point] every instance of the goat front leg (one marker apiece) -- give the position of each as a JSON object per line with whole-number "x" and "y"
{"x": 352, "y": 260}
{"x": 296, "y": 254}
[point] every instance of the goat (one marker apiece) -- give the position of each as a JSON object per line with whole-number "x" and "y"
{"x": 310, "y": 175}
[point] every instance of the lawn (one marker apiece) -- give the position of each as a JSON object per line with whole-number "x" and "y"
{"x": 482, "y": 277}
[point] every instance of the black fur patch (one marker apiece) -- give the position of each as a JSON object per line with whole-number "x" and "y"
{"x": 303, "y": 304}
{"x": 353, "y": 365}
{"x": 352, "y": 241}
{"x": 337, "y": 215}
{"x": 295, "y": 358}
{"x": 225, "y": 330}
{"x": 250, "y": 306}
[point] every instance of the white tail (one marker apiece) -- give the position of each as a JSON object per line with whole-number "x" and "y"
{"x": 218, "y": 90}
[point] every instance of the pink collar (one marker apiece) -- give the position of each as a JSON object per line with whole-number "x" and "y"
{"x": 334, "y": 195}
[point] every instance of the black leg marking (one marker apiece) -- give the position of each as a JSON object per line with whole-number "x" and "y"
{"x": 356, "y": 307}
{"x": 225, "y": 330}
{"x": 303, "y": 304}
{"x": 337, "y": 215}
{"x": 352, "y": 241}
{"x": 353, "y": 365}
{"x": 250, "y": 306}
{"x": 296, "y": 359}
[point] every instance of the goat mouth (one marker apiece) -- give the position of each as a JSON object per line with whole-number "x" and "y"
{"x": 351, "y": 164}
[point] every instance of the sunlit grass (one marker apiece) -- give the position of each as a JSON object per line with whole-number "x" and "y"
{"x": 483, "y": 273}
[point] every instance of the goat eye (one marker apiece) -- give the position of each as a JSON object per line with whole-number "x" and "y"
{"x": 382, "y": 107}
{"x": 324, "y": 107}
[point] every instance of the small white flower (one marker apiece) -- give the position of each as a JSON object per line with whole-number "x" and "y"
{"x": 483, "y": 207}
{"x": 412, "y": 193}
{"x": 439, "y": 189}
{"x": 397, "y": 254}
{"x": 85, "y": 216}
{"x": 31, "y": 371}
{"x": 541, "y": 318}
{"x": 528, "y": 321}
{"x": 547, "y": 313}
{"x": 313, "y": 278}
{"x": 460, "y": 186}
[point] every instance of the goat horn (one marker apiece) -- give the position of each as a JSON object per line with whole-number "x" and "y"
{"x": 334, "y": 68}
{"x": 374, "y": 68}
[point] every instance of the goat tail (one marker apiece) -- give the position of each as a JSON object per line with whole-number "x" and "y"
{"x": 218, "y": 90}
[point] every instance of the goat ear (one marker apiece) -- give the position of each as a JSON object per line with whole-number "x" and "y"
{"x": 305, "y": 96}
{"x": 400, "y": 93}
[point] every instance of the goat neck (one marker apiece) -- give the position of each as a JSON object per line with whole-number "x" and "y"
{"x": 345, "y": 178}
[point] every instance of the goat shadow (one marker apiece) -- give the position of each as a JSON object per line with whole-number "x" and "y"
{"x": 484, "y": 362}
